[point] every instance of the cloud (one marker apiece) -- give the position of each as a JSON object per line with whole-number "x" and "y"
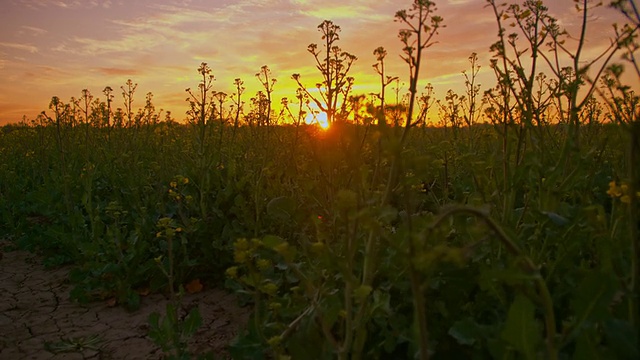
{"x": 34, "y": 30}
{"x": 459, "y": 2}
{"x": 118, "y": 71}
{"x": 66, "y": 4}
{"x": 23, "y": 47}
{"x": 345, "y": 11}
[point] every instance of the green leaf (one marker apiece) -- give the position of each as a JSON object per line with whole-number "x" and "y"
{"x": 154, "y": 317}
{"x": 281, "y": 208}
{"x": 622, "y": 338}
{"x": 192, "y": 322}
{"x": 171, "y": 314}
{"x": 346, "y": 199}
{"x": 556, "y": 219}
{"x": 521, "y": 330}
{"x": 271, "y": 241}
{"x": 466, "y": 332}
{"x": 586, "y": 346}
{"x": 593, "y": 296}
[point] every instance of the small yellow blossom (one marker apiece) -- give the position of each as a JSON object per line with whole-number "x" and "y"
{"x": 241, "y": 244}
{"x": 185, "y": 181}
{"x": 274, "y": 341}
{"x": 263, "y": 264}
{"x": 317, "y": 248}
{"x": 240, "y": 256}
{"x": 256, "y": 243}
{"x": 282, "y": 248}
{"x": 173, "y": 184}
{"x": 614, "y": 190}
{"x": 232, "y": 272}
{"x": 269, "y": 288}
{"x": 623, "y": 192}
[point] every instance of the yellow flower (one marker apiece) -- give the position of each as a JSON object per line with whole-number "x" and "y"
{"x": 317, "y": 247}
{"x": 173, "y": 184}
{"x": 256, "y": 243}
{"x": 263, "y": 264}
{"x": 185, "y": 181}
{"x": 614, "y": 190}
{"x": 241, "y": 244}
{"x": 361, "y": 292}
{"x": 625, "y": 199}
{"x": 240, "y": 256}
{"x": 232, "y": 272}
{"x": 282, "y": 248}
{"x": 269, "y": 288}
{"x": 274, "y": 341}
{"x": 164, "y": 222}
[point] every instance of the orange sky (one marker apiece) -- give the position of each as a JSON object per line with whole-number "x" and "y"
{"x": 59, "y": 47}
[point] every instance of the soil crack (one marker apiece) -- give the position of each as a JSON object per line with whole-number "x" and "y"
{"x": 38, "y": 321}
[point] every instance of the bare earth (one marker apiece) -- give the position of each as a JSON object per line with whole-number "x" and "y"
{"x": 38, "y": 321}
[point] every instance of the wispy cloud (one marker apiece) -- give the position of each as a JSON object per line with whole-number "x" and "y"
{"x": 22, "y": 47}
{"x": 66, "y": 4}
{"x": 34, "y": 30}
{"x": 118, "y": 71}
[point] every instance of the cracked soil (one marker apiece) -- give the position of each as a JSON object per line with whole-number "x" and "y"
{"x": 39, "y": 321}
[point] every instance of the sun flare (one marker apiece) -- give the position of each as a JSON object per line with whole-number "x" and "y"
{"x": 319, "y": 118}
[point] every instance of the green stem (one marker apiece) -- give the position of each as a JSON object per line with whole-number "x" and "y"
{"x": 526, "y": 264}
{"x": 634, "y": 220}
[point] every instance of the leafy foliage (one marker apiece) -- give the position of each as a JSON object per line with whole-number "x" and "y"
{"x": 514, "y": 236}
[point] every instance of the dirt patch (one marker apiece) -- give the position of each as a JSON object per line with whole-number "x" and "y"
{"x": 39, "y": 321}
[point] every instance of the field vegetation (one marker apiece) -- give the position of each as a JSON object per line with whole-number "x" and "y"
{"x": 508, "y": 230}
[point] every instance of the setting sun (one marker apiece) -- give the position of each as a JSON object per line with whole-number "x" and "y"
{"x": 319, "y": 118}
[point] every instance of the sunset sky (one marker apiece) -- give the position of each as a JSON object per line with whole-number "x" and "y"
{"x": 59, "y": 47}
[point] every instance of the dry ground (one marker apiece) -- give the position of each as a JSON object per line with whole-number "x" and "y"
{"x": 39, "y": 321}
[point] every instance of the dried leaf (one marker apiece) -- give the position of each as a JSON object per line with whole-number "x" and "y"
{"x": 143, "y": 291}
{"x": 112, "y": 302}
{"x": 194, "y": 286}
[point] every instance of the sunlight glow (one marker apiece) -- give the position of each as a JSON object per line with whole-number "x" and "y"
{"x": 319, "y": 118}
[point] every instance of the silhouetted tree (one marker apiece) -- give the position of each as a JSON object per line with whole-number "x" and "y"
{"x": 201, "y": 104}
{"x": 334, "y": 67}
{"x": 108, "y": 93}
{"x": 264, "y": 76}
{"x": 385, "y": 80}
{"x": 127, "y": 96}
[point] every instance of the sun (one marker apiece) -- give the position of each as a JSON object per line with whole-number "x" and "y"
{"x": 319, "y": 118}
